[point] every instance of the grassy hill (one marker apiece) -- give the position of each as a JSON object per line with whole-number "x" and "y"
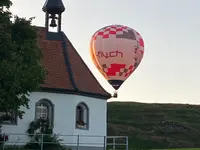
{"x": 155, "y": 125}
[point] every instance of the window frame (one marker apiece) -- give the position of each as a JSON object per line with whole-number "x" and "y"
{"x": 40, "y": 108}
{"x": 15, "y": 118}
{"x": 50, "y": 109}
{"x": 85, "y": 127}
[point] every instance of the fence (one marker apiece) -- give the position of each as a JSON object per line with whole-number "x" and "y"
{"x": 55, "y": 142}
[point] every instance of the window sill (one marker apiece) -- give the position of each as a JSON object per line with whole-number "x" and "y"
{"x": 9, "y": 124}
{"x": 81, "y": 127}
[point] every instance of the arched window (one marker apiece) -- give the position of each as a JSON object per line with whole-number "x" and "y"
{"x": 82, "y": 116}
{"x": 44, "y": 109}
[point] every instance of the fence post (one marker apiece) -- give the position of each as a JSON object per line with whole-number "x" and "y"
{"x": 4, "y": 142}
{"x": 105, "y": 143}
{"x": 126, "y": 142}
{"x": 113, "y": 143}
{"x": 41, "y": 142}
{"x": 77, "y": 142}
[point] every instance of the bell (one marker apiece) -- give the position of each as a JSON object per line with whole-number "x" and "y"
{"x": 53, "y": 23}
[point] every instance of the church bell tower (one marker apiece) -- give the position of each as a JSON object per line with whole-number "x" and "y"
{"x": 53, "y": 10}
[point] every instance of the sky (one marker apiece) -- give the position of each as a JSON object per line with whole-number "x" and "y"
{"x": 170, "y": 69}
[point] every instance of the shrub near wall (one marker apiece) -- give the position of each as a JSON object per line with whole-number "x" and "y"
{"x": 41, "y": 130}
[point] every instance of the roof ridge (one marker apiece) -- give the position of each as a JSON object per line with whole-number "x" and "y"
{"x": 85, "y": 65}
{"x": 67, "y": 62}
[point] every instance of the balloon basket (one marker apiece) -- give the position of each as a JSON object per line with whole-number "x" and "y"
{"x": 115, "y": 95}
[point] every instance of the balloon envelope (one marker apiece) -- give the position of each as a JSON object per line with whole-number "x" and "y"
{"x": 116, "y": 51}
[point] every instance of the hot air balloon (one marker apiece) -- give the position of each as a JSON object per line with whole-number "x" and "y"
{"x": 116, "y": 51}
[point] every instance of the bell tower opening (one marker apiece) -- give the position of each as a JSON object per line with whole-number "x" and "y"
{"x": 53, "y": 10}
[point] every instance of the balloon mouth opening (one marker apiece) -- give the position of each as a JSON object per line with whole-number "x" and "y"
{"x": 116, "y": 83}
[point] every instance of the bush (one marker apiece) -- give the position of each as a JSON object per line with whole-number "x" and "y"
{"x": 41, "y": 132}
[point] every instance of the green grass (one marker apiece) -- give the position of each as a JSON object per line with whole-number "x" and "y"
{"x": 116, "y": 149}
{"x": 180, "y": 149}
{"x": 155, "y": 126}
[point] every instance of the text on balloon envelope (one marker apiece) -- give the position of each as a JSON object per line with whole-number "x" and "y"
{"x": 115, "y": 53}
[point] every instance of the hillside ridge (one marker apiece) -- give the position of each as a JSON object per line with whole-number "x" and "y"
{"x": 157, "y": 125}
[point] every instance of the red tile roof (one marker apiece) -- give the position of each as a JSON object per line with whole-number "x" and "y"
{"x": 67, "y": 72}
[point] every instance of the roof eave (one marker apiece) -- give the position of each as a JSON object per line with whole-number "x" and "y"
{"x": 75, "y": 92}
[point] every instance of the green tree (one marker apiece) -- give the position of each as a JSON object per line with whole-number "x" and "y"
{"x": 21, "y": 71}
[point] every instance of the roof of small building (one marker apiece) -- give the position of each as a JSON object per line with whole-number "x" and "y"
{"x": 66, "y": 70}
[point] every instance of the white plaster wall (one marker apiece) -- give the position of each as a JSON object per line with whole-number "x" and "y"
{"x": 64, "y": 119}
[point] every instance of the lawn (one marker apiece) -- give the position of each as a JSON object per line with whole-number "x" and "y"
{"x": 180, "y": 149}
{"x": 115, "y": 149}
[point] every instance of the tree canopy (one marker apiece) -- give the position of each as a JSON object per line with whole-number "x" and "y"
{"x": 21, "y": 70}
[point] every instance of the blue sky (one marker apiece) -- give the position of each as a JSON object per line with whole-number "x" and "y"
{"x": 170, "y": 69}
